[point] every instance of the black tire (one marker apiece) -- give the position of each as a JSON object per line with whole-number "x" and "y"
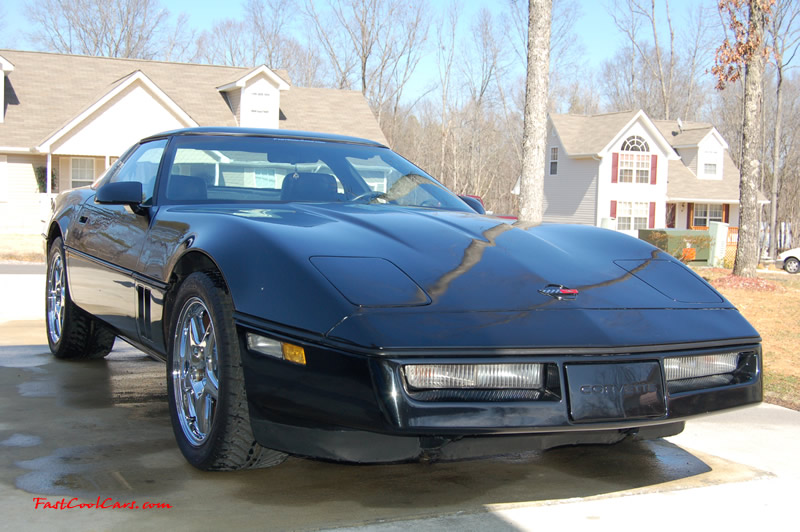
{"x": 791, "y": 265}
{"x": 205, "y": 382}
{"x": 71, "y": 332}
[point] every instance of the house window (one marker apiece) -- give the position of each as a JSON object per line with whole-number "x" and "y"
{"x": 634, "y": 167}
{"x": 82, "y": 171}
{"x": 635, "y": 143}
{"x": 634, "y": 161}
{"x": 705, "y": 213}
{"x": 632, "y": 215}
{"x": 553, "y": 161}
{"x": 710, "y": 169}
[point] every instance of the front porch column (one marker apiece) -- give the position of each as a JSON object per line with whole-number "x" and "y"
{"x": 49, "y": 173}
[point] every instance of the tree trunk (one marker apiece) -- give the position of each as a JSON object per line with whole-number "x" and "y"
{"x": 534, "y": 137}
{"x": 776, "y": 155}
{"x": 747, "y": 250}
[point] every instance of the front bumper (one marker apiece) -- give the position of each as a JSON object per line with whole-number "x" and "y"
{"x": 356, "y": 406}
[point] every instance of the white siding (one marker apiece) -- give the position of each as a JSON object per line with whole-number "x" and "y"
{"x": 260, "y": 104}
{"x": 137, "y": 108}
{"x": 633, "y": 192}
{"x": 709, "y": 151}
{"x": 571, "y": 195}
{"x": 24, "y": 208}
{"x": 3, "y": 178}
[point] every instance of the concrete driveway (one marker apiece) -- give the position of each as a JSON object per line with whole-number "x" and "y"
{"x": 87, "y": 432}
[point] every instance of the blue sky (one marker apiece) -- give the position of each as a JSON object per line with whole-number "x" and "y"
{"x": 595, "y": 29}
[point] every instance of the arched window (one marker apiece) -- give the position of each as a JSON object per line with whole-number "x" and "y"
{"x": 634, "y": 167}
{"x": 635, "y": 143}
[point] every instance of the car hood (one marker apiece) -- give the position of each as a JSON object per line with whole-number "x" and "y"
{"x": 384, "y": 278}
{"x": 385, "y": 256}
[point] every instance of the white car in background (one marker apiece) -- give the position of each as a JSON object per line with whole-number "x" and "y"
{"x": 790, "y": 260}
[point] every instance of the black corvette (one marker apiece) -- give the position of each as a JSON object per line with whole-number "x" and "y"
{"x": 322, "y": 296}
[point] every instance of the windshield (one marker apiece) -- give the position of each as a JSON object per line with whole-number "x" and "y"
{"x": 232, "y": 169}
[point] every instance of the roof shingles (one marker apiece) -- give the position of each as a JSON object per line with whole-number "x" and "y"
{"x": 46, "y": 91}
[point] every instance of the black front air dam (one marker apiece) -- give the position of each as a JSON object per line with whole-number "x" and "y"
{"x": 357, "y": 446}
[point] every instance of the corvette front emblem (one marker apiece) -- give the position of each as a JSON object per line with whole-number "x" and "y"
{"x": 559, "y": 292}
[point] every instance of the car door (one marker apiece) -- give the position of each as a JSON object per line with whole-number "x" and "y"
{"x": 103, "y": 247}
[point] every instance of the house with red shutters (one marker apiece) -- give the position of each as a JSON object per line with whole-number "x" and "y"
{"x": 629, "y": 172}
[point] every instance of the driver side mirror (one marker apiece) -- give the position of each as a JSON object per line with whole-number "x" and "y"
{"x": 121, "y": 193}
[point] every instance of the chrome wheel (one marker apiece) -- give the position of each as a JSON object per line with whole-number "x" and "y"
{"x": 56, "y": 298}
{"x": 194, "y": 371}
{"x": 791, "y": 265}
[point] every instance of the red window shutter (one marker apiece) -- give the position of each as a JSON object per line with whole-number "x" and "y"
{"x": 614, "y": 167}
{"x": 653, "y": 168}
{"x": 613, "y": 208}
{"x": 689, "y": 215}
{"x": 652, "y": 223}
{"x": 726, "y": 212}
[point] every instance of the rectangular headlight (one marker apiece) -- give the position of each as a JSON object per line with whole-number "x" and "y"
{"x": 693, "y": 367}
{"x": 475, "y": 376}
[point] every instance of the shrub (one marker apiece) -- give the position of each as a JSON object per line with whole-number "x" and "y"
{"x": 41, "y": 179}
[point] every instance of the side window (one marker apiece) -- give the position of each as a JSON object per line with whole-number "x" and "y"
{"x": 142, "y": 166}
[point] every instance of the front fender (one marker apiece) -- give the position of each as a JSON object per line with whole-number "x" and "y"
{"x": 267, "y": 276}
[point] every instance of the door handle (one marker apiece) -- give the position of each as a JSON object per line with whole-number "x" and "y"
{"x": 83, "y": 219}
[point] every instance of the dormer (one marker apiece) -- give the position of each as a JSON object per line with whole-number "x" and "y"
{"x": 255, "y": 98}
{"x": 710, "y": 152}
{"x": 5, "y": 67}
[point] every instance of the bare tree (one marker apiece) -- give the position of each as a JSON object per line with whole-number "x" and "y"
{"x": 784, "y": 31}
{"x": 482, "y": 57}
{"x": 660, "y": 61}
{"x": 179, "y": 45}
{"x": 112, "y": 28}
{"x": 269, "y": 21}
{"x": 748, "y": 20}
{"x": 374, "y": 45}
{"x": 534, "y": 137}
{"x": 665, "y": 57}
{"x": 230, "y": 42}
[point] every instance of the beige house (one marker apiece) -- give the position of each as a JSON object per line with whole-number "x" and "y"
{"x": 627, "y": 171}
{"x": 66, "y": 118}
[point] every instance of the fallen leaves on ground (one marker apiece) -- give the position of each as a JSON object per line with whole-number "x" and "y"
{"x": 746, "y": 283}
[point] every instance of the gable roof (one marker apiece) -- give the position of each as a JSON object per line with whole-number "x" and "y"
{"x": 687, "y": 134}
{"x": 259, "y": 70}
{"x": 116, "y": 89}
{"x": 684, "y": 186}
{"x": 589, "y": 134}
{"x": 46, "y": 91}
